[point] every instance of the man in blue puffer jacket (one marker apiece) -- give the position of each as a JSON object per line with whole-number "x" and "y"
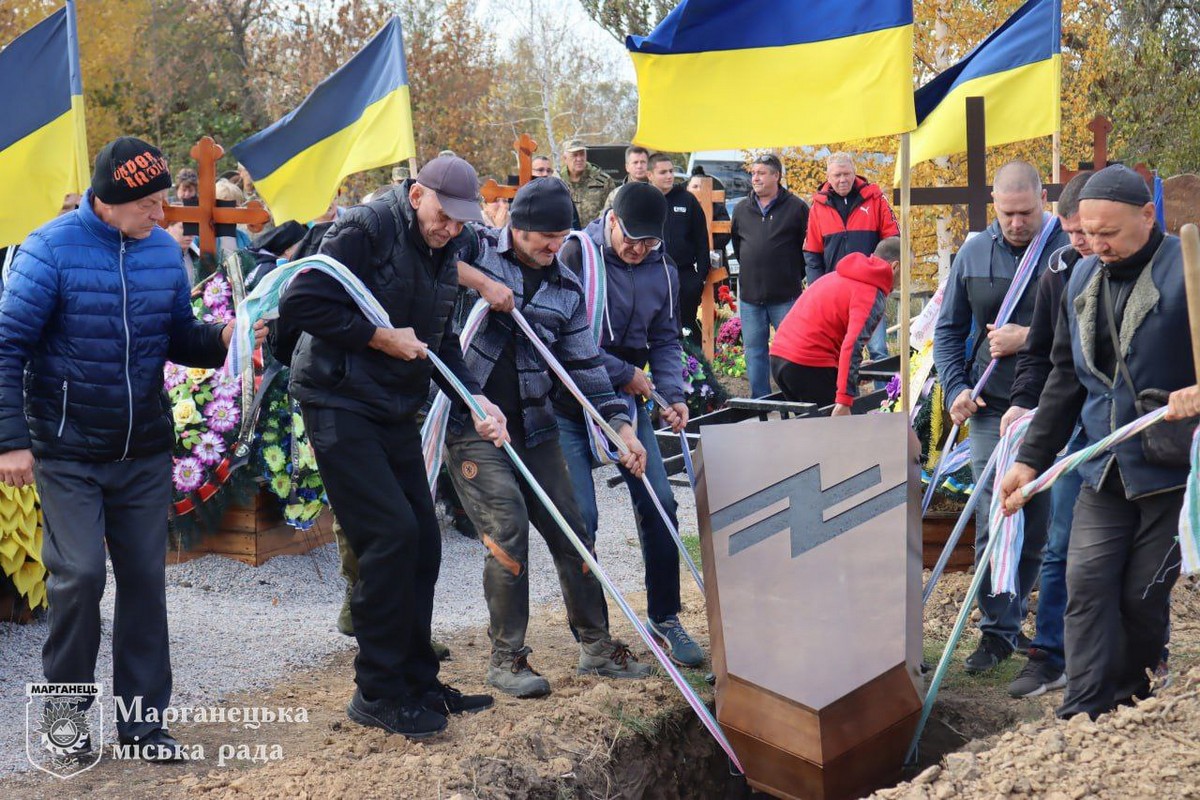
{"x": 96, "y": 301}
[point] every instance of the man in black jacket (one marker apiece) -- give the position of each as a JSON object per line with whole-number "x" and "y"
{"x": 1128, "y": 303}
{"x": 1046, "y": 668}
{"x": 360, "y": 388}
{"x": 769, "y": 228}
{"x": 686, "y": 238}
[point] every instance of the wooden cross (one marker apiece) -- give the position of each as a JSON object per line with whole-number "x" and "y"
{"x": 525, "y": 147}
{"x": 708, "y": 311}
{"x": 977, "y": 194}
{"x": 207, "y": 214}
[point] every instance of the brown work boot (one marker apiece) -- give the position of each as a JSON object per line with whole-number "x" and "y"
{"x": 611, "y": 658}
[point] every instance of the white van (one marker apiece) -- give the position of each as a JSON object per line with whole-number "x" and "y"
{"x": 727, "y": 166}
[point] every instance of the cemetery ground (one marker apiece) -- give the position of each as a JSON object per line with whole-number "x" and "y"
{"x": 607, "y": 739}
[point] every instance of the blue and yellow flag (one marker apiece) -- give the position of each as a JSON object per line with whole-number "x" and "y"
{"x": 719, "y": 74}
{"x": 358, "y": 118}
{"x": 43, "y": 146}
{"x": 1018, "y": 72}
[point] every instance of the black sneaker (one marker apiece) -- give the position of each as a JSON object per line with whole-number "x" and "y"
{"x": 1023, "y": 643}
{"x": 447, "y": 700}
{"x": 991, "y": 651}
{"x": 1037, "y": 677}
{"x": 395, "y": 716}
{"x": 156, "y": 747}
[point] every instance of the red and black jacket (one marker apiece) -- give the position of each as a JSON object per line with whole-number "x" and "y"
{"x": 832, "y": 236}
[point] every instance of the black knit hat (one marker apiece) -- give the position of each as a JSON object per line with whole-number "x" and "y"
{"x": 1119, "y": 184}
{"x": 543, "y": 205}
{"x": 641, "y": 209}
{"x": 128, "y": 169}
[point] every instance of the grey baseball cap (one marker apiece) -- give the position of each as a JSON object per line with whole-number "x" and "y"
{"x": 456, "y": 185}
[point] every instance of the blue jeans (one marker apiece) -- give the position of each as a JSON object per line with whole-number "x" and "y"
{"x": 877, "y": 345}
{"x": 757, "y": 321}
{"x": 1003, "y": 614}
{"x": 659, "y": 553}
{"x": 1052, "y": 599}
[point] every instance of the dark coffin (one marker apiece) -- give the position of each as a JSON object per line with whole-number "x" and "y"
{"x": 811, "y": 536}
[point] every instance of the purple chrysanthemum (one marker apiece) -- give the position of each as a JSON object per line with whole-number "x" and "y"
{"x": 222, "y": 415}
{"x": 225, "y": 386}
{"x": 215, "y": 291}
{"x": 173, "y": 375}
{"x": 188, "y": 474}
{"x": 210, "y": 448}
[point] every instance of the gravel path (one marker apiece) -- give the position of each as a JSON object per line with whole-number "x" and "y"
{"x": 235, "y": 627}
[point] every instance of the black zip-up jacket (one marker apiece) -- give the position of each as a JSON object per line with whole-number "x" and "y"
{"x": 769, "y": 248}
{"x": 333, "y": 366}
{"x": 686, "y": 232}
{"x": 1033, "y": 362}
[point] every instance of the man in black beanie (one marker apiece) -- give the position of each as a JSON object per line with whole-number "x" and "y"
{"x": 96, "y": 302}
{"x": 1121, "y": 311}
{"x": 514, "y": 376}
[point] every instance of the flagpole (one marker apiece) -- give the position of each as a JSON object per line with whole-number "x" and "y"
{"x": 1056, "y": 162}
{"x": 905, "y": 312}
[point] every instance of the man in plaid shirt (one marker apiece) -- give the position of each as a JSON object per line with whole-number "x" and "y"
{"x": 523, "y": 257}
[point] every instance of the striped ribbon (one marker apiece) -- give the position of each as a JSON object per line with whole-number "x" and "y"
{"x": 1009, "y": 529}
{"x": 263, "y": 303}
{"x": 1025, "y": 271}
{"x": 433, "y": 431}
{"x": 1189, "y": 516}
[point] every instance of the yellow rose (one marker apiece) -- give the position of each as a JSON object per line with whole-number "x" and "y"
{"x": 185, "y": 413}
{"x": 197, "y": 375}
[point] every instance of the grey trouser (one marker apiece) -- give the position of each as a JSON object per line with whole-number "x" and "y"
{"x": 1121, "y": 564}
{"x": 1003, "y": 614}
{"x": 502, "y": 506}
{"x": 123, "y": 504}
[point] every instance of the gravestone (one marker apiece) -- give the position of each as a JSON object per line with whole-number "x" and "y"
{"x": 812, "y": 563}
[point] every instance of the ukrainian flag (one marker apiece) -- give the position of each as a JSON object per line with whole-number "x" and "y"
{"x": 1018, "y": 72}
{"x": 719, "y": 74}
{"x": 43, "y": 145}
{"x": 358, "y": 118}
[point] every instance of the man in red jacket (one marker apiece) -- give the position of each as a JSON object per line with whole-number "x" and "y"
{"x": 818, "y": 349}
{"x": 848, "y": 215}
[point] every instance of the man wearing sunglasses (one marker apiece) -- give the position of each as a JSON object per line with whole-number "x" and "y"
{"x": 638, "y": 327}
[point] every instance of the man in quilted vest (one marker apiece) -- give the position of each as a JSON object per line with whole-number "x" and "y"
{"x": 97, "y": 300}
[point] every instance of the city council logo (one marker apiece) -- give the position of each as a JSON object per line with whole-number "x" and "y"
{"x": 64, "y": 727}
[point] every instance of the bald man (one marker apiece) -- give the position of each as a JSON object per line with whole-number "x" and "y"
{"x": 979, "y": 279}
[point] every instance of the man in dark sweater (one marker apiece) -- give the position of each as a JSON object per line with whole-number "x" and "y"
{"x": 769, "y": 228}
{"x": 1123, "y": 556}
{"x": 360, "y": 388}
{"x": 686, "y": 240}
{"x": 523, "y": 257}
{"x": 1046, "y": 668}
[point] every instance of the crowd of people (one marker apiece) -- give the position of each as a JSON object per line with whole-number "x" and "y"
{"x": 95, "y": 301}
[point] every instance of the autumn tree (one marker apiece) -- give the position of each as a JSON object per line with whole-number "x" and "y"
{"x": 557, "y": 86}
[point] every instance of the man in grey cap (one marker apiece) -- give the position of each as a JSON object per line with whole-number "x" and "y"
{"x": 589, "y": 185}
{"x": 1110, "y": 366}
{"x": 523, "y": 257}
{"x": 360, "y": 388}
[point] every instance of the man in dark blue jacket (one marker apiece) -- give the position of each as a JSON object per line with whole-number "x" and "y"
{"x": 639, "y": 327}
{"x": 96, "y": 302}
{"x": 979, "y": 279}
{"x": 1121, "y": 311}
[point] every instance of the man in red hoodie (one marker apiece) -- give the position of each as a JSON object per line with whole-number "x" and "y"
{"x": 818, "y": 349}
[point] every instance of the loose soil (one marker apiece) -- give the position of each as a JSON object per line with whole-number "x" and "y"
{"x": 595, "y": 738}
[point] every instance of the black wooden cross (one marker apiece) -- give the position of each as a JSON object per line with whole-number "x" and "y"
{"x": 977, "y": 194}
